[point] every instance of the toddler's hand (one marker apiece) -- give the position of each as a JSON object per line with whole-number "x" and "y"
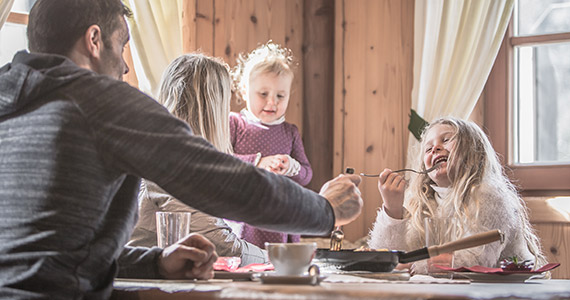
{"x": 278, "y": 164}
{"x": 391, "y": 186}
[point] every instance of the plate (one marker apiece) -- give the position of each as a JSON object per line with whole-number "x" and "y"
{"x": 268, "y": 278}
{"x": 498, "y": 278}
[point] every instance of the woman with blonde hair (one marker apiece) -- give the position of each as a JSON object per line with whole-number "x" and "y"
{"x": 468, "y": 185}
{"x": 196, "y": 89}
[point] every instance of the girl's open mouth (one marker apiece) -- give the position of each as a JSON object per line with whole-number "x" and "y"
{"x": 440, "y": 159}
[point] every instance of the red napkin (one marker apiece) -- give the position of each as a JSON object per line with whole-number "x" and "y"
{"x": 227, "y": 263}
{"x": 480, "y": 269}
{"x": 255, "y": 268}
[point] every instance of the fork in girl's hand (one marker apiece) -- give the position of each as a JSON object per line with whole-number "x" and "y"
{"x": 404, "y": 170}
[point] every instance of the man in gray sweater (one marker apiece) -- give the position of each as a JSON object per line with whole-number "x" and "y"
{"x": 74, "y": 143}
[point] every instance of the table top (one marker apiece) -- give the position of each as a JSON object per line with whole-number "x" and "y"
{"x": 347, "y": 287}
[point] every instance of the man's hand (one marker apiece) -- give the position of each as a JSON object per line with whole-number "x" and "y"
{"x": 344, "y": 196}
{"x": 192, "y": 257}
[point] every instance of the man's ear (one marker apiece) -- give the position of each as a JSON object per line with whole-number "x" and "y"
{"x": 93, "y": 41}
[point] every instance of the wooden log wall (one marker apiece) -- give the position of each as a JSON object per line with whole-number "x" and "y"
{"x": 553, "y": 229}
{"x": 372, "y": 93}
{"x": 353, "y": 80}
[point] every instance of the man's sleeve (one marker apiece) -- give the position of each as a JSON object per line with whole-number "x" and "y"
{"x": 138, "y": 136}
{"x": 139, "y": 262}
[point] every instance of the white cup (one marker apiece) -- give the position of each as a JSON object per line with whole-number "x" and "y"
{"x": 291, "y": 259}
{"x": 439, "y": 231}
{"x": 171, "y": 227}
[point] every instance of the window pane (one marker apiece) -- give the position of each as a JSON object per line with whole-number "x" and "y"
{"x": 12, "y": 39}
{"x": 542, "y": 104}
{"x": 23, "y": 6}
{"x": 541, "y": 17}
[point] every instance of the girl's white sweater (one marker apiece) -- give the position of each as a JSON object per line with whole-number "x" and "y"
{"x": 495, "y": 212}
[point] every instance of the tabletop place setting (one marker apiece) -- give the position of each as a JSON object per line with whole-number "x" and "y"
{"x": 293, "y": 267}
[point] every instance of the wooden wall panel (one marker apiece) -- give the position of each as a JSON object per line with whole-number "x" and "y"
{"x": 318, "y": 69}
{"x": 553, "y": 229}
{"x": 292, "y": 38}
{"x": 374, "y": 56}
{"x": 370, "y": 80}
{"x": 188, "y": 25}
{"x": 555, "y": 239}
{"x": 205, "y": 33}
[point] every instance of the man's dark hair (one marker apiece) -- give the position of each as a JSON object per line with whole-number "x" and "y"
{"x": 55, "y": 25}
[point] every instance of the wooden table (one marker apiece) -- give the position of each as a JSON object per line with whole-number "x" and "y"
{"x": 535, "y": 289}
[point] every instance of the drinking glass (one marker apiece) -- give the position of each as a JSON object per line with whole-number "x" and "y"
{"x": 171, "y": 227}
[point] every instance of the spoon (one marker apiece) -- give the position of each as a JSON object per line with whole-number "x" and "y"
{"x": 404, "y": 170}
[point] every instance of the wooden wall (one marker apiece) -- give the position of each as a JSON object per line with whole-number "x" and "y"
{"x": 372, "y": 98}
{"x": 353, "y": 83}
{"x": 553, "y": 229}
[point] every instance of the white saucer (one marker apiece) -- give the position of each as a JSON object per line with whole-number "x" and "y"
{"x": 498, "y": 278}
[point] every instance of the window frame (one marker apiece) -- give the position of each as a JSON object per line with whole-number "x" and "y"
{"x": 531, "y": 179}
{"x": 17, "y": 18}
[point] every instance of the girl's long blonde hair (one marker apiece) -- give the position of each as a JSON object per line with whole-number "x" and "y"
{"x": 471, "y": 164}
{"x": 197, "y": 89}
{"x": 267, "y": 58}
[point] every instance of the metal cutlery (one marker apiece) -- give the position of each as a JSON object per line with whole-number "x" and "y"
{"x": 406, "y": 170}
{"x": 336, "y": 239}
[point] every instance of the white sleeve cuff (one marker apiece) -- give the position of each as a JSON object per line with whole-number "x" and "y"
{"x": 386, "y": 219}
{"x": 294, "y": 167}
{"x": 257, "y": 159}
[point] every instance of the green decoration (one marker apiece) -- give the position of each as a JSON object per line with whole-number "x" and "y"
{"x": 417, "y": 124}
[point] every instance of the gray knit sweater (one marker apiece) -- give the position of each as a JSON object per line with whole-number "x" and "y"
{"x": 73, "y": 147}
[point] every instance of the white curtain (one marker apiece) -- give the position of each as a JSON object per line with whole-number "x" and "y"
{"x": 156, "y": 39}
{"x": 5, "y": 7}
{"x": 455, "y": 45}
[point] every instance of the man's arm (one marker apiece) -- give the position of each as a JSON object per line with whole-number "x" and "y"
{"x": 138, "y": 136}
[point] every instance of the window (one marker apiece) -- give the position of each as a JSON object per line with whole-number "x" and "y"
{"x": 13, "y": 33}
{"x": 527, "y": 101}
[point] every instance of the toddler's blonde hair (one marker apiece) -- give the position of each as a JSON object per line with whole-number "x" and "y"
{"x": 471, "y": 164}
{"x": 197, "y": 89}
{"x": 267, "y": 58}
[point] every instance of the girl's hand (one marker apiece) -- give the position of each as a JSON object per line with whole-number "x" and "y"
{"x": 408, "y": 266}
{"x": 391, "y": 186}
